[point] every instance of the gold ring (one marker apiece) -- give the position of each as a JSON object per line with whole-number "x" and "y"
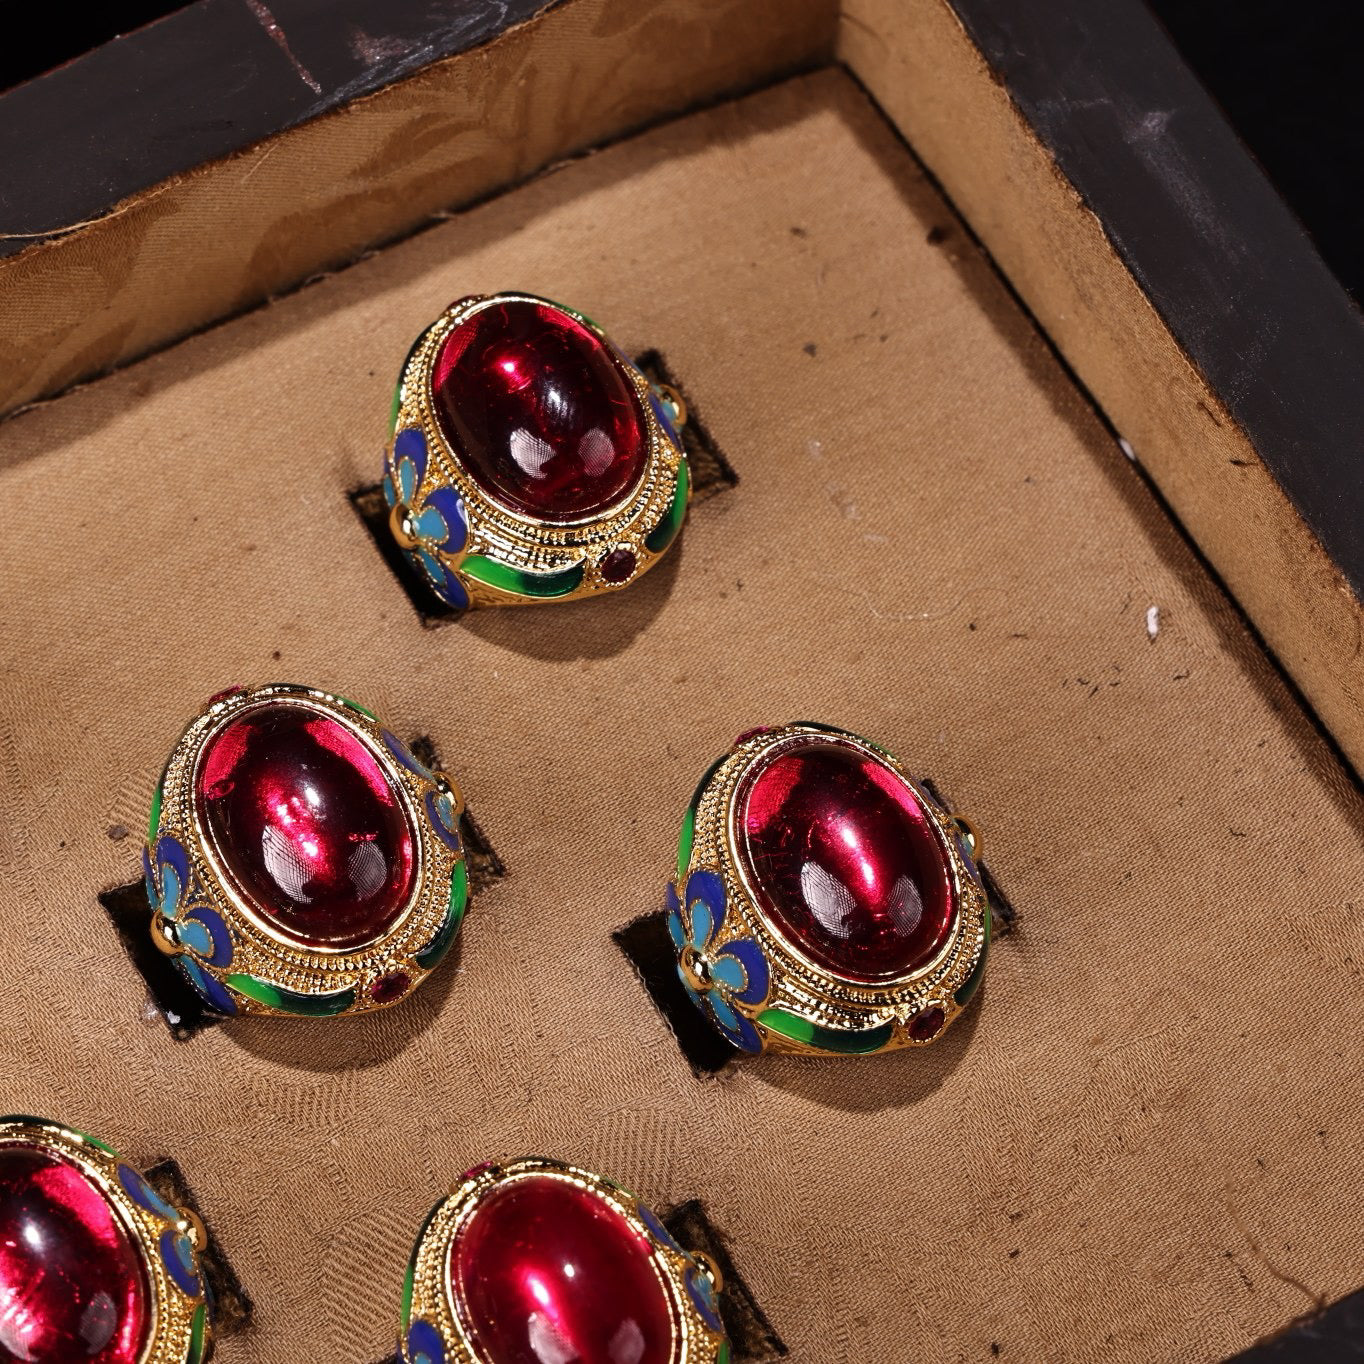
{"x": 94, "y": 1263}
{"x": 535, "y": 1259}
{"x": 529, "y": 459}
{"x": 823, "y": 903}
{"x": 300, "y": 858}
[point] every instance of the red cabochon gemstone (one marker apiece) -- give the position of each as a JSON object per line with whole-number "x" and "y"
{"x": 546, "y": 1272}
{"x": 306, "y": 825}
{"x": 844, "y": 859}
{"x": 539, "y": 411}
{"x": 73, "y": 1286}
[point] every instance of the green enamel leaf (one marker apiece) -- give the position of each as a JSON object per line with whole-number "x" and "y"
{"x": 723, "y": 1356}
{"x": 197, "y": 1336}
{"x": 662, "y": 534}
{"x": 685, "y": 842}
{"x": 826, "y": 1039}
{"x": 409, "y": 1282}
{"x": 95, "y": 1141}
{"x": 688, "y": 837}
{"x": 971, "y": 984}
{"x": 459, "y": 900}
{"x": 156, "y": 813}
{"x": 289, "y": 1001}
{"x": 557, "y": 584}
{"x": 355, "y": 705}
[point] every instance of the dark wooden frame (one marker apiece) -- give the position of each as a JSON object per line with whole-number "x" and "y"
{"x": 205, "y": 82}
{"x": 1198, "y": 225}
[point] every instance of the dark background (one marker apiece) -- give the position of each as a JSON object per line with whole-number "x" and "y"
{"x": 53, "y": 34}
{"x": 1287, "y": 72}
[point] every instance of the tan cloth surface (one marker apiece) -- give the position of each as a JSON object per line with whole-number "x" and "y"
{"x": 1150, "y": 1126}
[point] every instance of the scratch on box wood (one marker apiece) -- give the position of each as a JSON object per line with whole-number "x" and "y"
{"x": 270, "y": 24}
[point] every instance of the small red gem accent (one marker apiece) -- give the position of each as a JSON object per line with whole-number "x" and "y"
{"x": 545, "y": 1269}
{"x": 926, "y": 1025}
{"x": 391, "y": 988}
{"x": 751, "y": 734}
{"x": 306, "y": 825}
{"x": 73, "y": 1286}
{"x": 618, "y": 565}
{"x": 224, "y": 694}
{"x": 539, "y": 411}
{"x": 845, "y": 860}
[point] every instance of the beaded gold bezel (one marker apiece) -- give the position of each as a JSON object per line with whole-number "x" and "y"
{"x": 181, "y": 1327}
{"x": 506, "y": 558}
{"x": 429, "y": 1296}
{"x": 262, "y": 970}
{"x": 808, "y": 1009}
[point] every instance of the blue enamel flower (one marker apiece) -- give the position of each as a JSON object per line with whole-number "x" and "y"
{"x": 657, "y": 1230}
{"x": 195, "y": 928}
{"x": 664, "y": 412}
{"x": 177, "y": 1249}
{"x": 721, "y": 978}
{"x": 440, "y": 804}
{"x": 424, "y": 1345}
{"x": 701, "y": 1288}
{"x": 437, "y": 524}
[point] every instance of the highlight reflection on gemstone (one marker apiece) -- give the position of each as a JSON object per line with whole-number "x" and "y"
{"x": 842, "y": 856}
{"x": 539, "y": 411}
{"x": 547, "y": 1272}
{"x": 73, "y": 1286}
{"x": 308, "y": 827}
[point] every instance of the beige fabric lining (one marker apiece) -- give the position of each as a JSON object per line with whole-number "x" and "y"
{"x": 1149, "y": 1127}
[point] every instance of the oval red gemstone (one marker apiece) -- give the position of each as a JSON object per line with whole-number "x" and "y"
{"x": 306, "y": 825}
{"x": 546, "y": 1272}
{"x": 539, "y": 411}
{"x": 845, "y": 860}
{"x": 73, "y": 1285}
